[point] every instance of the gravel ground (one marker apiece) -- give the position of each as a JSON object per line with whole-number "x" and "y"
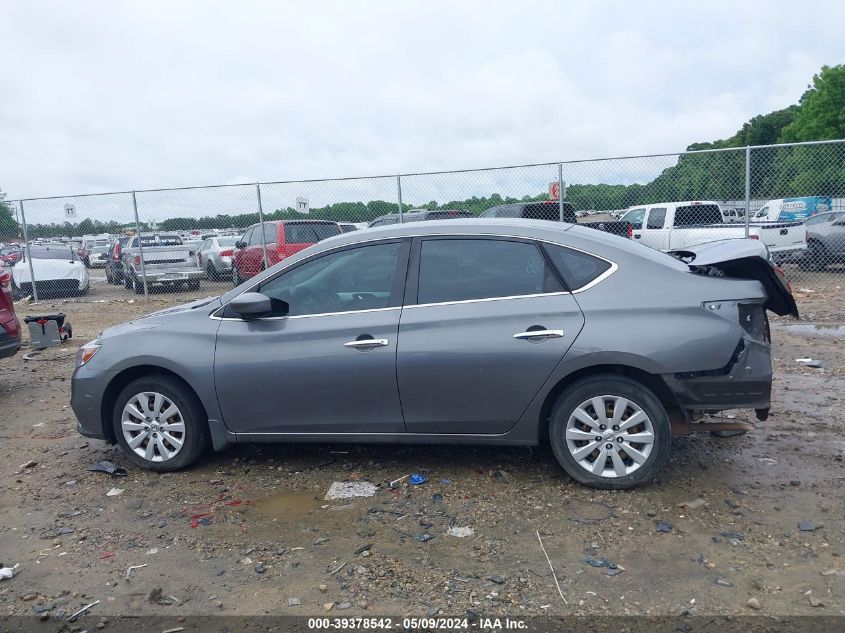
{"x": 744, "y": 525}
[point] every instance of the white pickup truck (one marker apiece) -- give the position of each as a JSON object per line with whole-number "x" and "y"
{"x": 670, "y": 226}
{"x": 167, "y": 261}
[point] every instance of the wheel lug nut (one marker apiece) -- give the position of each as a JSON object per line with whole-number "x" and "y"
{"x": 615, "y": 427}
{"x": 602, "y": 427}
{"x": 598, "y": 438}
{"x": 609, "y": 446}
{"x": 619, "y": 439}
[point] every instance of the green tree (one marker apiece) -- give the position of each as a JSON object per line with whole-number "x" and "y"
{"x": 9, "y": 228}
{"x": 821, "y": 114}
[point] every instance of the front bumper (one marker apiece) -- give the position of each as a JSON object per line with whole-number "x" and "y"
{"x": 744, "y": 383}
{"x": 86, "y": 399}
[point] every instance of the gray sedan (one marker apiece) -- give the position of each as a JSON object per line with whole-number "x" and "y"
{"x": 506, "y": 332}
{"x": 214, "y": 255}
{"x": 825, "y": 241}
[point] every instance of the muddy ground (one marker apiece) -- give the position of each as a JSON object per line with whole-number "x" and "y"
{"x": 247, "y": 531}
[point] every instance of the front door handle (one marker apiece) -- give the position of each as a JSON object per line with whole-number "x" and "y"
{"x": 538, "y": 334}
{"x": 367, "y": 343}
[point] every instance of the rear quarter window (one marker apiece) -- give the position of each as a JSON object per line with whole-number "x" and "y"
{"x": 577, "y": 269}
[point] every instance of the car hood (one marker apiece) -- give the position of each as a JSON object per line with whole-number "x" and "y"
{"x": 156, "y": 319}
{"x": 742, "y": 259}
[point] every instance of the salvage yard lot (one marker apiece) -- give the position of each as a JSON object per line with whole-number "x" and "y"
{"x": 247, "y": 531}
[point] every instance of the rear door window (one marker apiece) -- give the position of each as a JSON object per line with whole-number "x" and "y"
{"x": 309, "y": 233}
{"x": 467, "y": 269}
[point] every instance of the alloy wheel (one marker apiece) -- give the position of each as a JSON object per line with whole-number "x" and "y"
{"x": 609, "y": 436}
{"x": 153, "y": 426}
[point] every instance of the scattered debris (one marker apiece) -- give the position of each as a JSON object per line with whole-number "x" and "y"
{"x": 422, "y": 538}
{"x": 395, "y": 483}
{"x": 294, "y": 602}
{"x": 364, "y": 548}
{"x": 349, "y": 489}
{"x": 82, "y": 611}
{"x": 809, "y": 362}
{"x": 663, "y": 526}
{"x": 460, "y": 532}
{"x": 416, "y": 479}
{"x": 724, "y": 582}
{"x": 131, "y": 568}
{"x": 549, "y": 561}
{"x": 753, "y": 603}
{"x": 108, "y": 467}
{"x": 114, "y": 492}
{"x": 815, "y": 602}
{"x": 732, "y": 535}
{"x": 9, "y": 572}
{"x": 693, "y": 504}
{"x": 807, "y": 526}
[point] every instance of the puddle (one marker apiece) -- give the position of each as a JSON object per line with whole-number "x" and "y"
{"x": 824, "y": 330}
{"x": 287, "y": 504}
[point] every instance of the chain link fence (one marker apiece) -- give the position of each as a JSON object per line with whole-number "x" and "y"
{"x": 790, "y": 197}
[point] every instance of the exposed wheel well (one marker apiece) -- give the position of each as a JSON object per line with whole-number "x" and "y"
{"x": 124, "y": 378}
{"x": 653, "y": 382}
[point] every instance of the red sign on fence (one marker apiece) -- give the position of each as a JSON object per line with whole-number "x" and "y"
{"x": 554, "y": 190}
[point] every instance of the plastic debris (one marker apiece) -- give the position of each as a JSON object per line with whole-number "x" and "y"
{"x": 82, "y": 611}
{"x": 132, "y": 568}
{"x": 349, "y": 489}
{"x": 809, "y": 362}
{"x": 8, "y": 572}
{"x": 422, "y": 538}
{"x": 108, "y": 467}
{"x": 693, "y": 504}
{"x": 416, "y": 479}
{"x": 460, "y": 532}
{"x": 114, "y": 492}
{"x": 663, "y": 526}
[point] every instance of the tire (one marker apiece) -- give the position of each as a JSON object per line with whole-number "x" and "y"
{"x": 137, "y": 285}
{"x": 236, "y": 278}
{"x": 815, "y": 258}
{"x": 194, "y": 434}
{"x": 213, "y": 275}
{"x": 640, "y": 400}
{"x": 127, "y": 282}
{"x": 109, "y": 278}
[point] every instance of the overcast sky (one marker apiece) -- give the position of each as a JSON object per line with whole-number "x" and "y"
{"x": 104, "y": 96}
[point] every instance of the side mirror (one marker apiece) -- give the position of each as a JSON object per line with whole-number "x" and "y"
{"x": 240, "y": 244}
{"x": 251, "y": 305}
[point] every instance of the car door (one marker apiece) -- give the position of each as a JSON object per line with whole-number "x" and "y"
{"x": 239, "y": 258}
{"x": 328, "y": 363}
{"x": 655, "y": 224}
{"x": 202, "y": 253}
{"x": 485, "y": 322}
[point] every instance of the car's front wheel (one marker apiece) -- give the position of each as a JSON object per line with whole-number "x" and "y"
{"x": 159, "y": 423}
{"x": 610, "y": 432}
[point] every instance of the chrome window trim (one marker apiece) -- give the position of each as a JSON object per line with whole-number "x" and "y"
{"x": 612, "y": 269}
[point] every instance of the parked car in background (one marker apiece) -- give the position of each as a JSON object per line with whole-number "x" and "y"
{"x": 214, "y": 256}
{"x": 94, "y": 252}
{"x": 733, "y": 216}
{"x": 10, "y": 255}
{"x": 282, "y": 238}
{"x": 57, "y": 269}
{"x": 10, "y": 327}
{"x": 114, "y": 261}
{"x": 551, "y": 210}
{"x": 420, "y": 215}
{"x": 669, "y": 226}
{"x": 497, "y": 332}
{"x": 792, "y": 209}
{"x": 167, "y": 262}
{"x": 347, "y": 227}
{"x": 825, "y": 241}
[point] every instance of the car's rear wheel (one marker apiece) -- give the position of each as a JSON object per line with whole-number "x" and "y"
{"x": 815, "y": 258}
{"x": 610, "y": 432}
{"x": 109, "y": 276}
{"x": 159, "y": 423}
{"x": 137, "y": 285}
{"x": 236, "y": 278}
{"x": 213, "y": 275}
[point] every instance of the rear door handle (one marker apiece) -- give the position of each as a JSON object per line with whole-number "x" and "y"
{"x": 367, "y": 343}
{"x": 538, "y": 334}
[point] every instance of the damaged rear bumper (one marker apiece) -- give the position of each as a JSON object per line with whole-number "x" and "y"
{"x": 744, "y": 383}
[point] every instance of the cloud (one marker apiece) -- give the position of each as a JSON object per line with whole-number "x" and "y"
{"x": 111, "y": 96}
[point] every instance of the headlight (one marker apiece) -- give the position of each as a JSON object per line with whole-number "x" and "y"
{"x": 87, "y": 351}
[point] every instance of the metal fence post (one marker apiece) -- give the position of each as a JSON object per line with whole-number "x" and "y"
{"x": 747, "y": 188}
{"x": 261, "y": 222}
{"x": 28, "y": 256}
{"x": 140, "y": 246}
{"x": 399, "y": 194}
{"x": 560, "y": 190}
